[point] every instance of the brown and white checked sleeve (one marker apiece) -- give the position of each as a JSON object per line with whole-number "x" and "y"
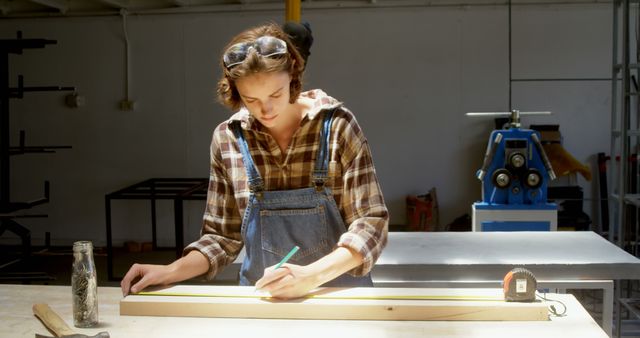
{"x": 362, "y": 203}
{"x": 220, "y": 240}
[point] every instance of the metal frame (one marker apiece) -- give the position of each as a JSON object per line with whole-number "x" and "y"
{"x": 622, "y": 134}
{"x": 10, "y": 210}
{"x": 176, "y": 189}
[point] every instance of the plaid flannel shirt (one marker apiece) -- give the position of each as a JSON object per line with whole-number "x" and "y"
{"x": 352, "y": 179}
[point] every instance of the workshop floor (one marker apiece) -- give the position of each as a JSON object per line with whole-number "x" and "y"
{"x": 52, "y": 267}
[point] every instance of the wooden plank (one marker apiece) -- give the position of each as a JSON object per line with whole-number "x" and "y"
{"x": 334, "y": 293}
{"x": 334, "y": 303}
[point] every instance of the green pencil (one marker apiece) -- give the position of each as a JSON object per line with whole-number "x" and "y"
{"x": 286, "y": 258}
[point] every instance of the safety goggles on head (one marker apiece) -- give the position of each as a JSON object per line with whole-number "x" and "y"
{"x": 265, "y": 46}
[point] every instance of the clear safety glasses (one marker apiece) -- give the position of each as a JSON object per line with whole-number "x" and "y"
{"x": 265, "y": 46}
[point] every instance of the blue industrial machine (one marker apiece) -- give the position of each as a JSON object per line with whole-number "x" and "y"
{"x": 514, "y": 174}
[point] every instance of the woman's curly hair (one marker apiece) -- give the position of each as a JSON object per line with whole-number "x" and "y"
{"x": 291, "y": 62}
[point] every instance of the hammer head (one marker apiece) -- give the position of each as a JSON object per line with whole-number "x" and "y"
{"x": 103, "y": 334}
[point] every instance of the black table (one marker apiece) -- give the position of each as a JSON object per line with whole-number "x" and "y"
{"x": 176, "y": 189}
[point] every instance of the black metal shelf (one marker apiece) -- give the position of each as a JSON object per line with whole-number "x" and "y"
{"x": 9, "y": 209}
{"x": 176, "y": 189}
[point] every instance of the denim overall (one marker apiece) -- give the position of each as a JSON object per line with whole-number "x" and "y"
{"x": 276, "y": 221}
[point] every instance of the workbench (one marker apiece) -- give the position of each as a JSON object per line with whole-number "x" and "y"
{"x": 560, "y": 260}
{"x": 486, "y": 256}
{"x": 18, "y": 321}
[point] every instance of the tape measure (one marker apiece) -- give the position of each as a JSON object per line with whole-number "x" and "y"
{"x": 519, "y": 286}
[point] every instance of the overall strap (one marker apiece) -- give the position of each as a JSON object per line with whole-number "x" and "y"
{"x": 256, "y": 185}
{"x": 320, "y": 171}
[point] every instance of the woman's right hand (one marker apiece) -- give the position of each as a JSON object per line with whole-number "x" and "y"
{"x": 140, "y": 276}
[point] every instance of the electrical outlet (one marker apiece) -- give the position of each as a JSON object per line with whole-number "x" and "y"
{"x": 126, "y": 105}
{"x": 74, "y": 100}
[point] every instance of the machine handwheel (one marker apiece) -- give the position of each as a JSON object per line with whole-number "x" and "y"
{"x": 501, "y": 178}
{"x": 534, "y": 179}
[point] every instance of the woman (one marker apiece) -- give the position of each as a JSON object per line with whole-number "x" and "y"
{"x": 287, "y": 169}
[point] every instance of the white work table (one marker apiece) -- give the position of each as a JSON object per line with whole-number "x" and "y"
{"x": 414, "y": 257}
{"x": 19, "y": 321}
{"x": 559, "y": 260}
{"x": 483, "y": 256}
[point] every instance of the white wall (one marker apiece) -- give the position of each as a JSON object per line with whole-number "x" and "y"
{"x": 409, "y": 75}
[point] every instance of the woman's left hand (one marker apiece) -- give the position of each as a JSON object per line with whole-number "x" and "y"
{"x": 288, "y": 281}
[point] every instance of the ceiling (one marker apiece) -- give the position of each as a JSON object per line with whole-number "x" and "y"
{"x": 69, "y": 8}
{"x": 26, "y": 8}
{"x": 21, "y": 8}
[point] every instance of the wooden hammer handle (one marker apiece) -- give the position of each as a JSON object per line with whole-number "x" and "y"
{"x": 51, "y": 320}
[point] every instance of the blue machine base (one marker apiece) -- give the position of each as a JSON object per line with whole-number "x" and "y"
{"x": 514, "y": 217}
{"x": 515, "y": 226}
{"x": 539, "y": 206}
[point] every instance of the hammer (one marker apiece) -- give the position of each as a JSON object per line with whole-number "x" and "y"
{"x": 53, "y": 322}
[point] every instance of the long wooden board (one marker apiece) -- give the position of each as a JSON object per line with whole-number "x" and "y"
{"x": 333, "y": 303}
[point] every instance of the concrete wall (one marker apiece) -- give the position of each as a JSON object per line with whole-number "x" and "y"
{"x": 409, "y": 75}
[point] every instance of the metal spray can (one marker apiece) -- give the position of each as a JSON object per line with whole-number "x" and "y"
{"x": 84, "y": 285}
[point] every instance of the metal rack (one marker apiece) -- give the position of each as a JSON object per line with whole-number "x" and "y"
{"x": 176, "y": 189}
{"x": 10, "y": 211}
{"x": 622, "y": 133}
{"x": 625, "y": 144}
